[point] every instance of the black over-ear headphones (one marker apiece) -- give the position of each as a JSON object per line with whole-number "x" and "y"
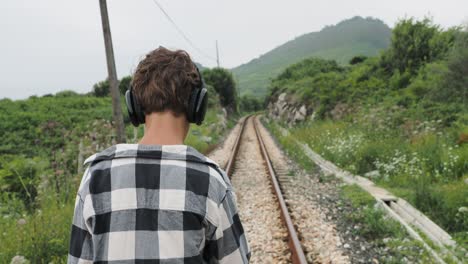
{"x": 196, "y": 109}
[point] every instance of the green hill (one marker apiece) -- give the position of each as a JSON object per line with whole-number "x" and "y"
{"x": 341, "y": 42}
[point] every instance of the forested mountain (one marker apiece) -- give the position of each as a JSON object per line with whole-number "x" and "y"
{"x": 341, "y": 42}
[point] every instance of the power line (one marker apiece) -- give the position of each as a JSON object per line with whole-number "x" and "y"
{"x": 182, "y": 33}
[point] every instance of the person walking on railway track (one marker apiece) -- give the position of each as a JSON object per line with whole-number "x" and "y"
{"x": 158, "y": 201}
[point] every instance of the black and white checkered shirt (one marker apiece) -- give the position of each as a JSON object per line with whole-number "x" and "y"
{"x": 155, "y": 204}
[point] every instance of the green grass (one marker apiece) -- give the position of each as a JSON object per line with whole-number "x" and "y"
{"x": 428, "y": 169}
{"x": 41, "y": 236}
{"x": 375, "y": 225}
{"x": 290, "y": 146}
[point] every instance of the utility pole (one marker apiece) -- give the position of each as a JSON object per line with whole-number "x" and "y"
{"x": 113, "y": 81}
{"x": 217, "y": 53}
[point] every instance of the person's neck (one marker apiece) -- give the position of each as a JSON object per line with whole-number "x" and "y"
{"x": 164, "y": 128}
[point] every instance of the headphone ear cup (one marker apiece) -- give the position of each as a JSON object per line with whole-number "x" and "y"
{"x": 197, "y": 102}
{"x": 135, "y": 112}
{"x": 131, "y": 108}
{"x": 140, "y": 114}
{"x": 202, "y": 103}
{"x": 191, "y": 109}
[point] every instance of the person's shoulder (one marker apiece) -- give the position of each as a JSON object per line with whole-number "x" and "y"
{"x": 93, "y": 162}
{"x": 114, "y": 151}
{"x": 204, "y": 169}
{"x": 219, "y": 174}
{"x": 215, "y": 170}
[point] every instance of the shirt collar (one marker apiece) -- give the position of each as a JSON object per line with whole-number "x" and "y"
{"x": 168, "y": 152}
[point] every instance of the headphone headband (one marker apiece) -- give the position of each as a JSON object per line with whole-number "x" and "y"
{"x": 196, "y": 108}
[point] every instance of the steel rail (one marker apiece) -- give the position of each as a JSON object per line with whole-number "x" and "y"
{"x": 297, "y": 254}
{"x": 232, "y": 158}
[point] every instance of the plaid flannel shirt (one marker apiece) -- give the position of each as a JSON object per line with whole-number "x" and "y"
{"x": 155, "y": 204}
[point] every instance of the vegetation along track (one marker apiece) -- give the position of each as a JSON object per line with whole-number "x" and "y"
{"x": 433, "y": 238}
{"x": 263, "y": 210}
{"x": 282, "y": 226}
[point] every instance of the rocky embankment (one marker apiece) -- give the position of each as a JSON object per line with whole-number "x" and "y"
{"x": 287, "y": 109}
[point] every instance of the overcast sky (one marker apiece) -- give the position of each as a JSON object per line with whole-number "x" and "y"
{"x": 52, "y": 45}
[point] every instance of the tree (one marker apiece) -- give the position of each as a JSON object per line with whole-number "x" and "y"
{"x": 66, "y": 93}
{"x": 101, "y": 89}
{"x": 415, "y": 43}
{"x": 124, "y": 84}
{"x": 249, "y": 103}
{"x": 213, "y": 97}
{"x": 445, "y": 80}
{"x": 456, "y": 80}
{"x": 223, "y": 83}
{"x": 357, "y": 59}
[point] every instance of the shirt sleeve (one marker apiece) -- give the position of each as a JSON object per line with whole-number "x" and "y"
{"x": 81, "y": 249}
{"x": 229, "y": 243}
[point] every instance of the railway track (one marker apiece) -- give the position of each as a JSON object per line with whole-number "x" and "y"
{"x": 264, "y": 212}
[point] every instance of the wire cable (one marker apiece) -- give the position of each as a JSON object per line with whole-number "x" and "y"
{"x": 182, "y": 33}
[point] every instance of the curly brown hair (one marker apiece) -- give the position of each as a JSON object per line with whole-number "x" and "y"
{"x": 163, "y": 81}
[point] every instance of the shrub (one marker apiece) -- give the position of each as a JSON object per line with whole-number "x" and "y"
{"x": 20, "y": 176}
{"x": 42, "y": 237}
{"x": 357, "y": 59}
{"x": 66, "y": 93}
